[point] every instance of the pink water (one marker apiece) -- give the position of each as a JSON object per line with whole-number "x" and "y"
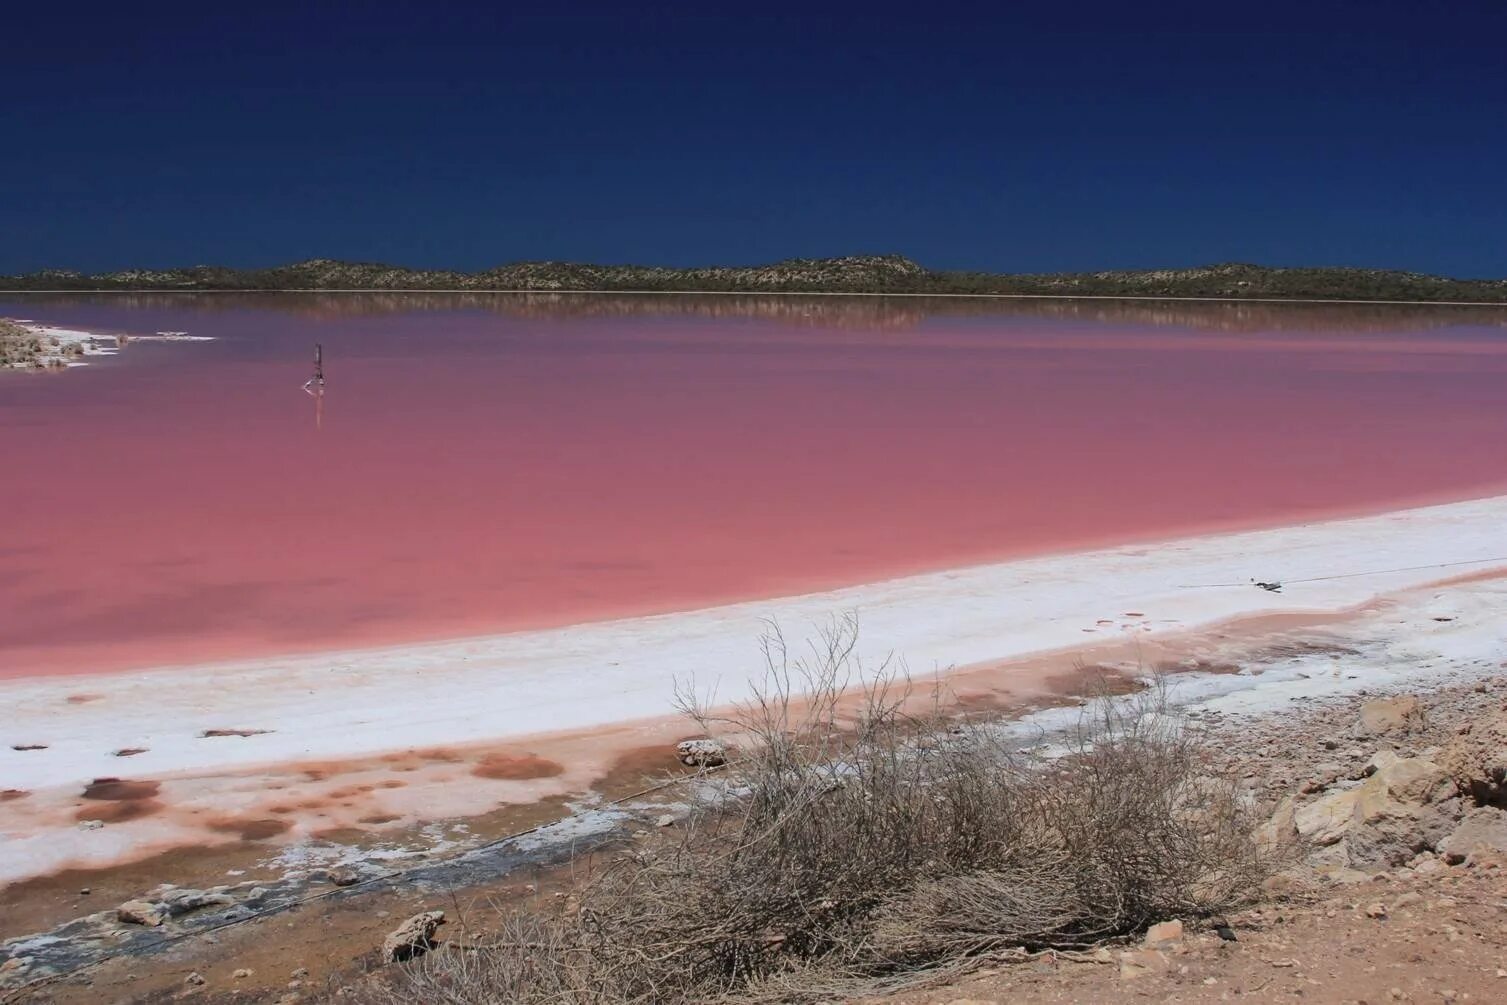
{"x": 491, "y": 463}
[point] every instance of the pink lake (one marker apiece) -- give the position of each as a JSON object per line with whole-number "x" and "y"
{"x": 486, "y": 463}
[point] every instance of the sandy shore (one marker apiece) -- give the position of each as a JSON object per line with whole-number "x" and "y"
{"x": 283, "y": 749}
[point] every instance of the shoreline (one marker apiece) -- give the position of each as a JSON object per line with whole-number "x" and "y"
{"x": 794, "y": 293}
{"x": 1435, "y": 641}
{"x": 66, "y": 348}
{"x": 413, "y": 733}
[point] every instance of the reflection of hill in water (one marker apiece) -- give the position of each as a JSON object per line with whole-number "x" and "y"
{"x": 845, "y": 313}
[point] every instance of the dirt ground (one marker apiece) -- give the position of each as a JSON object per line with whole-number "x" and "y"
{"x": 1415, "y": 939}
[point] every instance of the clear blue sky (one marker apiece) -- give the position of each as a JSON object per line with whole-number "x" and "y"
{"x": 999, "y": 136}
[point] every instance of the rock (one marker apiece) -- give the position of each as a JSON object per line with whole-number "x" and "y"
{"x": 1386, "y": 830}
{"x": 1163, "y": 934}
{"x": 1406, "y": 806}
{"x": 343, "y": 877}
{"x": 1477, "y": 759}
{"x": 413, "y": 937}
{"x": 1281, "y": 830}
{"x": 665, "y": 820}
{"x": 300, "y": 973}
{"x": 141, "y": 912}
{"x": 1484, "y": 827}
{"x": 241, "y": 974}
{"x": 91, "y": 825}
{"x": 1343, "y": 875}
{"x": 1410, "y": 779}
{"x": 1377, "y": 910}
{"x": 180, "y": 902}
{"x": 1143, "y": 963}
{"x": 1325, "y": 821}
{"x": 194, "y": 979}
{"x": 1383, "y": 716}
{"x": 703, "y": 753}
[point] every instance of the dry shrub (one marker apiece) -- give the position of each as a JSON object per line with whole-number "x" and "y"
{"x": 863, "y": 846}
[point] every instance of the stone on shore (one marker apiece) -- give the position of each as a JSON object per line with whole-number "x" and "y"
{"x": 413, "y": 937}
{"x": 1477, "y": 759}
{"x": 142, "y": 912}
{"x": 1484, "y": 828}
{"x": 703, "y": 753}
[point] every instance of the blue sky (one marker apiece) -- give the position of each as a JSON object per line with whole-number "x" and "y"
{"x": 991, "y": 136}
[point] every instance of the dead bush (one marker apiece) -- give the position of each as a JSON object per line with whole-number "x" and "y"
{"x": 868, "y": 842}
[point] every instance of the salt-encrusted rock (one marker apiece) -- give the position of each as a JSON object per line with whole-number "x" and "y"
{"x": 179, "y": 902}
{"x": 142, "y": 912}
{"x": 1477, "y": 759}
{"x": 1381, "y": 716}
{"x": 1484, "y": 827}
{"x": 413, "y": 937}
{"x": 703, "y": 753}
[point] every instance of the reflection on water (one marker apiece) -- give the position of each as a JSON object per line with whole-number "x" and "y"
{"x": 503, "y": 461}
{"x": 853, "y": 313}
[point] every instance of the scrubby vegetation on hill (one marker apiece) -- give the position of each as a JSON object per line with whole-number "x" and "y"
{"x": 851, "y": 274}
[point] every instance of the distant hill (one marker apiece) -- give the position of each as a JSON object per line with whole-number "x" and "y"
{"x": 852, "y": 274}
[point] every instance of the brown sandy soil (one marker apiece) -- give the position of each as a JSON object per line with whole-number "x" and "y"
{"x": 1393, "y": 939}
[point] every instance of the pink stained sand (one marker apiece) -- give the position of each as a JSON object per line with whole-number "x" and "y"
{"x": 489, "y": 464}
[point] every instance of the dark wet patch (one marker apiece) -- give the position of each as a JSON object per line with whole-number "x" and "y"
{"x": 28, "y": 746}
{"x": 379, "y": 818}
{"x": 83, "y": 698}
{"x": 130, "y": 751}
{"x": 393, "y": 783}
{"x": 1134, "y": 614}
{"x": 119, "y": 812}
{"x": 9, "y": 795}
{"x": 120, "y": 789}
{"x": 251, "y": 829}
{"x": 209, "y": 733}
{"x": 516, "y": 767}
